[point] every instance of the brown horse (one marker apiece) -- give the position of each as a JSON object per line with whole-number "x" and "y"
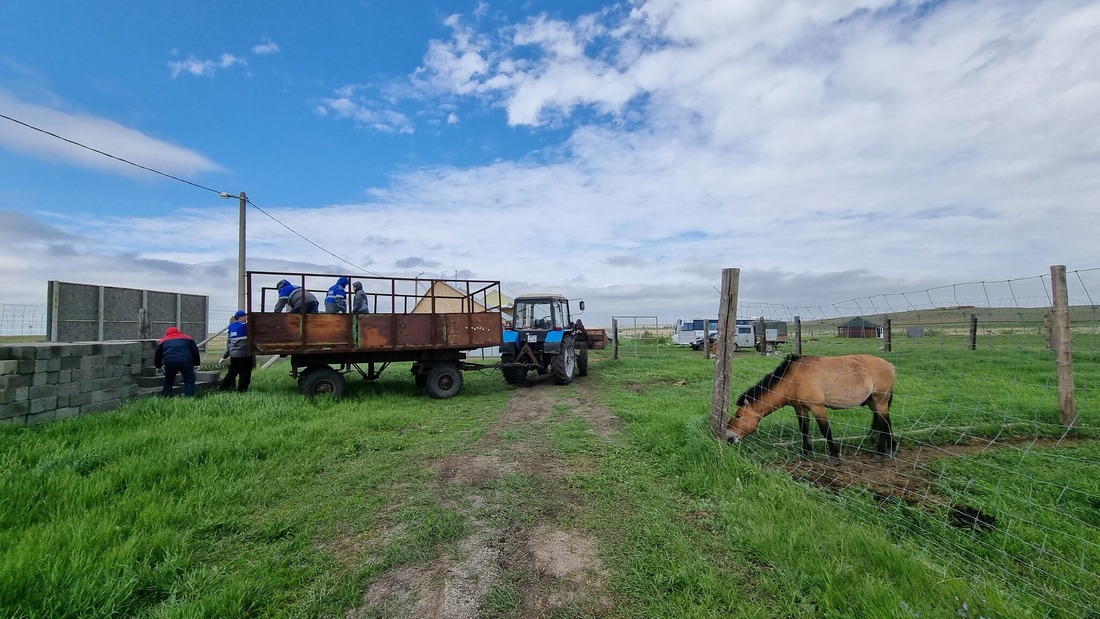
{"x": 812, "y": 384}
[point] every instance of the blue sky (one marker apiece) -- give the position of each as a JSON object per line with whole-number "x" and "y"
{"x": 623, "y": 152}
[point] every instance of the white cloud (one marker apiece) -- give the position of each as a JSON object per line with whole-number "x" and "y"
{"x": 98, "y": 133}
{"x": 891, "y": 143}
{"x": 353, "y": 102}
{"x": 266, "y": 48}
{"x": 829, "y": 150}
{"x": 204, "y": 68}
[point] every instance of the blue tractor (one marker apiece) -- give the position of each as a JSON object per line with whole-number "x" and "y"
{"x": 544, "y": 338}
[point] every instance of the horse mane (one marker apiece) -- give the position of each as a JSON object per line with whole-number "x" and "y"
{"x": 753, "y": 393}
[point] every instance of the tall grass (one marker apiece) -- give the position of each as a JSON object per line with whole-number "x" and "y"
{"x": 270, "y": 504}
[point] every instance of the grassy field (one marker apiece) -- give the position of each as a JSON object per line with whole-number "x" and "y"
{"x": 268, "y": 504}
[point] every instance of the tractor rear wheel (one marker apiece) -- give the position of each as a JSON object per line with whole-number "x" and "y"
{"x": 564, "y": 364}
{"x": 512, "y": 375}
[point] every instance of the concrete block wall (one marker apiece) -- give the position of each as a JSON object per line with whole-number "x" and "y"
{"x": 43, "y": 382}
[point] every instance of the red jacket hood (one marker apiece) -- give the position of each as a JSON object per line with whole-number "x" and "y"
{"x": 173, "y": 333}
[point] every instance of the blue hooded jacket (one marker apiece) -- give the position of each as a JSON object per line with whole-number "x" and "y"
{"x": 336, "y": 300}
{"x": 291, "y": 296}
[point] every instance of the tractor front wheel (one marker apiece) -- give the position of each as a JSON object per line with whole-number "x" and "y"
{"x": 564, "y": 363}
{"x": 582, "y": 362}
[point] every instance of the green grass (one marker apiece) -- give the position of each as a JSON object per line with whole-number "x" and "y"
{"x": 269, "y": 504}
{"x": 223, "y": 505}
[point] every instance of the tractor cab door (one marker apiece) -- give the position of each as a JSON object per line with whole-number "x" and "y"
{"x": 560, "y": 309}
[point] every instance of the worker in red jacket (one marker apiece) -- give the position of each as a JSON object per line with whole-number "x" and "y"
{"x": 178, "y": 354}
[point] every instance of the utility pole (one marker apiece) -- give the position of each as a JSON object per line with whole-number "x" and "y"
{"x": 242, "y": 281}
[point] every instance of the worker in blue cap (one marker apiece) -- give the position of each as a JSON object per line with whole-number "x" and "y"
{"x": 241, "y": 360}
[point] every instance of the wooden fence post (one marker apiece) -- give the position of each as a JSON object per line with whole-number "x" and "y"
{"x": 1048, "y": 330}
{"x": 145, "y": 331}
{"x": 727, "y": 329}
{"x": 798, "y": 335}
{"x": 973, "y": 332}
{"x": 615, "y": 337}
{"x": 887, "y": 335}
{"x": 1063, "y": 348}
{"x": 706, "y": 338}
{"x": 762, "y": 336}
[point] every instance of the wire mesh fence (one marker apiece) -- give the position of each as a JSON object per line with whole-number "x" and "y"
{"x": 23, "y": 321}
{"x": 987, "y": 473}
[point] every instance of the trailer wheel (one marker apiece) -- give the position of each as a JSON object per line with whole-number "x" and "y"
{"x": 512, "y": 375}
{"x": 443, "y": 381}
{"x": 322, "y": 380}
{"x": 564, "y": 363}
{"x": 582, "y": 362}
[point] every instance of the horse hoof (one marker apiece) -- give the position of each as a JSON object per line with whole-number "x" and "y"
{"x": 834, "y": 460}
{"x": 877, "y": 458}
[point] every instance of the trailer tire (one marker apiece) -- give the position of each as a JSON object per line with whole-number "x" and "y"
{"x": 582, "y": 362}
{"x": 512, "y": 375}
{"x": 322, "y": 380}
{"x": 564, "y": 364}
{"x": 443, "y": 381}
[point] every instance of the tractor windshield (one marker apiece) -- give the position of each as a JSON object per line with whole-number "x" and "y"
{"x": 532, "y": 315}
{"x": 540, "y": 314}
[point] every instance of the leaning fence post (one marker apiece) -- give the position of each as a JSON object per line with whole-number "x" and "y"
{"x": 727, "y": 327}
{"x": 615, "y": 337}
{"x": 1063, "y": 349}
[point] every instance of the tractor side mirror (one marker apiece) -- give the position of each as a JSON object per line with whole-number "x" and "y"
{"x": 581, "y": 305}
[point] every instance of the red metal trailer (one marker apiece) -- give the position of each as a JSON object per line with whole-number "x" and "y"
{"x": 433, "y": 328}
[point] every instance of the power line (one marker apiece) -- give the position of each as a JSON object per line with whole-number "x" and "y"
{"x": 182, "y": 180}
{"x": 116, "y": 158}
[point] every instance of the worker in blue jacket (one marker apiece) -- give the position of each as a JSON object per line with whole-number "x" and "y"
{"x": 178, "y": 354}
{"x": 336, "y": 302}
{"x": 241, "y": 361}
{"x": 292, "y": 297}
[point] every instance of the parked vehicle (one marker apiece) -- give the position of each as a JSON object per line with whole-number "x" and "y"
{"x": 698, "y": 343}
{"x": 744, "y": 336}
{"x": 687, "y": 332}
{"x": 544, "y": 338}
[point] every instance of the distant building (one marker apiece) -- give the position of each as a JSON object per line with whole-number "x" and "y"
{"x": 859, "y": 327}
{"x": 442, "y": 298}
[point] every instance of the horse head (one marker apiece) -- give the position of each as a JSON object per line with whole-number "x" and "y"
{"x": 743, "y": 422}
